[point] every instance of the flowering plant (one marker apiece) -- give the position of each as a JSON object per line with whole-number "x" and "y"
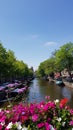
{"x": 48, "y": 115}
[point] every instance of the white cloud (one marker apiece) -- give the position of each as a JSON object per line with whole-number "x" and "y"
{"x": 50, "y": 43}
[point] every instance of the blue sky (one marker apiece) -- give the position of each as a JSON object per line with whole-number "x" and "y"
{"x": 33, "y": 29}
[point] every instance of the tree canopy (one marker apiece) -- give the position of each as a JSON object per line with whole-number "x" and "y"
{"x": 60, "y": 59}
{"x": 64, "y": 56}
{"x": 10, "y": 67}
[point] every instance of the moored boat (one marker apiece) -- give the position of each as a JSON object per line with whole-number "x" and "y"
{"x": 59, "y": 81}
{"x": 11, "y": 90}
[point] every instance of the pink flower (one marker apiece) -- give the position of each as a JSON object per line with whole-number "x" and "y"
{"x": 40, "y": 125}
{"x": 49, "y": 119}
{"x": 32, "y": 108}
{"x": 71, "y": 123}
{"x": 35, "y": 117}
{"x": 46, "y": 106}
{"x": 47, "y": 126}
{"x": 5, "y": 129}
{"x": 0, "y": 127}
{"x": 71, "y": 111}
{"x": 2, "y": 119}
{"x": 47, "y": 97}
{"x": 51, "y": 105}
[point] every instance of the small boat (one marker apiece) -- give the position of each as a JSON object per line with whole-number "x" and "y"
{"x": 59, "y": 81}
{"x": 10, "y": 90}
{"x": 18, "y": 91}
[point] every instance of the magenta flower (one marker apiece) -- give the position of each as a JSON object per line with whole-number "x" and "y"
{"x": 71, "y": 122}
{"x": 71, "y": 111}
{"x": 46, "y": 106}
{"x": 42, "y": 115}
{"x": 49, "y": 119}
{"x": 47, "y": 126}
{"x": 32, "y": 108}
{"x": 35, "y": 117}
{"x": 51, "y": 105}
{"x": 47, "y": 97}
{"x": 40, "y": 125}
{"x": 0, "y": 127}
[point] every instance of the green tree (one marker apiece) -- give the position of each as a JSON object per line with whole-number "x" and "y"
{"x": 10, "y": 64}
{"x": 21, "y": 69}
{"x": 47, "y": 67}
{"x": 64, "y": 57}
{"x": 10, "y": 67}
{"x": 41, "y": 70}
{"x": 2, "y": 61}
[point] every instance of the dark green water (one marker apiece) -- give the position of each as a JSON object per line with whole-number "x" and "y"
{"x": 40, "y": 88}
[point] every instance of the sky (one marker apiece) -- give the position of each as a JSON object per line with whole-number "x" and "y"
{"x": 33, "y": 29}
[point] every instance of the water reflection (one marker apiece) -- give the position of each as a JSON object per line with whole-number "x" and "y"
{"x": 66, "y": 93}
{"x": 40, "y": 88}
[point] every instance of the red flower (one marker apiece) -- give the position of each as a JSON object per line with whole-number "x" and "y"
{"x": 63, "y": 102}
{"x": 24, "y": 118}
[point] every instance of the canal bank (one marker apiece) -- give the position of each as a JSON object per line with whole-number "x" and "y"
{"x": 66, "y": 83}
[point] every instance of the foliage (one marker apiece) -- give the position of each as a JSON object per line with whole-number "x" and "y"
{"x": 3, "y": 56}
{"x": 64, "y": 56}
{"x": 41, "y": 70}
{"x": 46, "y": 67}
{"x": 60, "y": 59}
{"x": 21, "y": 69}
{"x": 10, "y": 61}
{"x": 31, "y": 72}
{"x": 48, "y": 115}
{"x": 10, "y": 67}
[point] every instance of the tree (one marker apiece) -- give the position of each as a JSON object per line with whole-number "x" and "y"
{"x": 10, "y": 67}
{"x": 47, "y": 67}
{"x": 21, "y": 69}
{"x": 10, "y": 64}
{"x": 2, "y": 61}
{"x": 64, "y": 56}
{"x": 41, "y": 70}
{"x": 60, "y": 59}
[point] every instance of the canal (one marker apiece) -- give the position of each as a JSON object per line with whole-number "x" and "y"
{"x": 40, "y": 88}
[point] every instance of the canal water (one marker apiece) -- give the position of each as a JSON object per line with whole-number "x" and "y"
{"x": 40, "y": 88}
